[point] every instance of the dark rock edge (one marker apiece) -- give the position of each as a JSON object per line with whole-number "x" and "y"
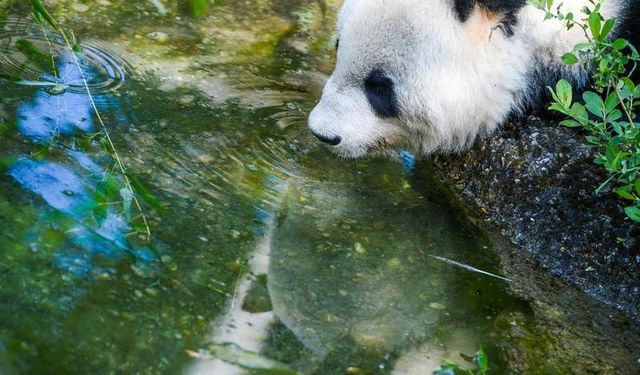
{"x": 531, "y": 189}
{"x": 531, "y": 186}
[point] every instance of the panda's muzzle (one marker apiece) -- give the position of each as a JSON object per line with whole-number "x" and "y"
{"x": 333, "y": 141}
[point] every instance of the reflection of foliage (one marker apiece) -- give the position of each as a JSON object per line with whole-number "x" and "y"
{"x": 134, "y": 188}
{"x": 480, "y": 360}
{"x": 199, "y": 7}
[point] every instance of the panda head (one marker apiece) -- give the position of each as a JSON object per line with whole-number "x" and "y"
{"x": 429, "y": 75}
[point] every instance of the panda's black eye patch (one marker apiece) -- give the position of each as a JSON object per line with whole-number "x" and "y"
{"x": 380, "y": 94}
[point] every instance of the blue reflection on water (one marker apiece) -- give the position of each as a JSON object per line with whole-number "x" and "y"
{"x": 70, "y": 185}
{"x": 64, "y": 114}
{"x": 408, "y": 160}
{"x": 60, "y": 187}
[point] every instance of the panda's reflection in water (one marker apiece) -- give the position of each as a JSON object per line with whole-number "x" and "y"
{"x": 352, "y": 282}
{"x": 350, "y": 275}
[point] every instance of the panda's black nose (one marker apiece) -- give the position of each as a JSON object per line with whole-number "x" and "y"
{"x": 333, "y": 141}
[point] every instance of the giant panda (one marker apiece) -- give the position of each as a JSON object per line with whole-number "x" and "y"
{"x": 432, "y": 76}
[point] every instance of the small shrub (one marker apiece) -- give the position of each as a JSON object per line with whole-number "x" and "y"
{"x": 607, "y": 111}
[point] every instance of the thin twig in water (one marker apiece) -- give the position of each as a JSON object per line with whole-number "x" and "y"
{"x": 469, "y": 268}
{"x": 235, "y": 292}
{"x": 107, "y": 136}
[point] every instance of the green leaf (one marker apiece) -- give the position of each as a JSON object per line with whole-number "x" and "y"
{"x": 549, "y": 4}
{"x": 594, "y": 103}
{"x": 553, "y": 94}
{"x": 614, "y": 155}
{"x": 582, "y": 47}
{"x": 607, "y": 27}
{"x": 624, "y": 194}
{"x": 570, "y": 123}
{"x": 633, "y": 212}
{"x": 42, "y": 13}
{"x": 620, "y": 43}
{"x": 636, "y": 185}
{"x": 603, "y": 66}
{"x": 570, "y": 59}
{"x": 596, "y": 141}
{"x": 579, "y": 113}
{"x": 595, "y": 24}
{"x": 611, "y": 102}
{"x": 558, "y": 108}
{"x": 564, "y": 92}
{"x": 145, "y": 194}
{"x": 614, "y": 115}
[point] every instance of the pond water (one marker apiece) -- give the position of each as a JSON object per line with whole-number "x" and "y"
{"x": 254, "y": 249}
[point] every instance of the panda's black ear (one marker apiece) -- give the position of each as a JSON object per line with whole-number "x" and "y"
{"x": 502, "y": 6}
{"x": 463, "y": 8}
{"x": 506, "y": 10}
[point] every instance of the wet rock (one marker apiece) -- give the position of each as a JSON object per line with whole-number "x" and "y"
{"x": 534, "y": 184}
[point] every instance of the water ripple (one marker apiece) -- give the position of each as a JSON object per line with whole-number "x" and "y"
{"x": 28, "y": 53}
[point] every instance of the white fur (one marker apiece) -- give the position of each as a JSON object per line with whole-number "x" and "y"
{"x": 454, "y": 81}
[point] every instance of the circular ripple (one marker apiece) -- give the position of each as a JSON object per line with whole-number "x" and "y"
{"x": 28, "y": 53}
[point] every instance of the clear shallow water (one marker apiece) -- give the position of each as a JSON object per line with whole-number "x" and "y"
{"x": 263, "y": 239}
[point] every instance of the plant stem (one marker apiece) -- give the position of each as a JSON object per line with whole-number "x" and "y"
{"x": 624, "y": 107}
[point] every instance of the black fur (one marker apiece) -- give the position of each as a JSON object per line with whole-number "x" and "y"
{"x": 508, "y": 8}
{"x": 464, "y": 8}
{"x": 381, "y": 95}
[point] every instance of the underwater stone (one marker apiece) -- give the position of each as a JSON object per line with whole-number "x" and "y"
{"x": 159, "y": 36}
{"x": 79, "y": 7}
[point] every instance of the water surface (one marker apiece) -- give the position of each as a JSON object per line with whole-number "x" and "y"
{"x": 265, "y": 251}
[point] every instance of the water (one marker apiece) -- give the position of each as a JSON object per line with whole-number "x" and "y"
{"x": 265, "y": 251}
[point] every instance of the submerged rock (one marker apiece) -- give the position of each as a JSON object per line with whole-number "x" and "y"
{"x": 534, "y": 185}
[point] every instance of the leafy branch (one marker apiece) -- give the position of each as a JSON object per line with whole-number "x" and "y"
{"x": 608, "y": 111}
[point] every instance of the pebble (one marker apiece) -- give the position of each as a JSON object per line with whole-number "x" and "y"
{"x": 79, "y": 7}
{"x": 394, "y": 262}
{"x": 158, "y": 36}
{"x": 437, "y": 306}
{"x": 187, "y": 100}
